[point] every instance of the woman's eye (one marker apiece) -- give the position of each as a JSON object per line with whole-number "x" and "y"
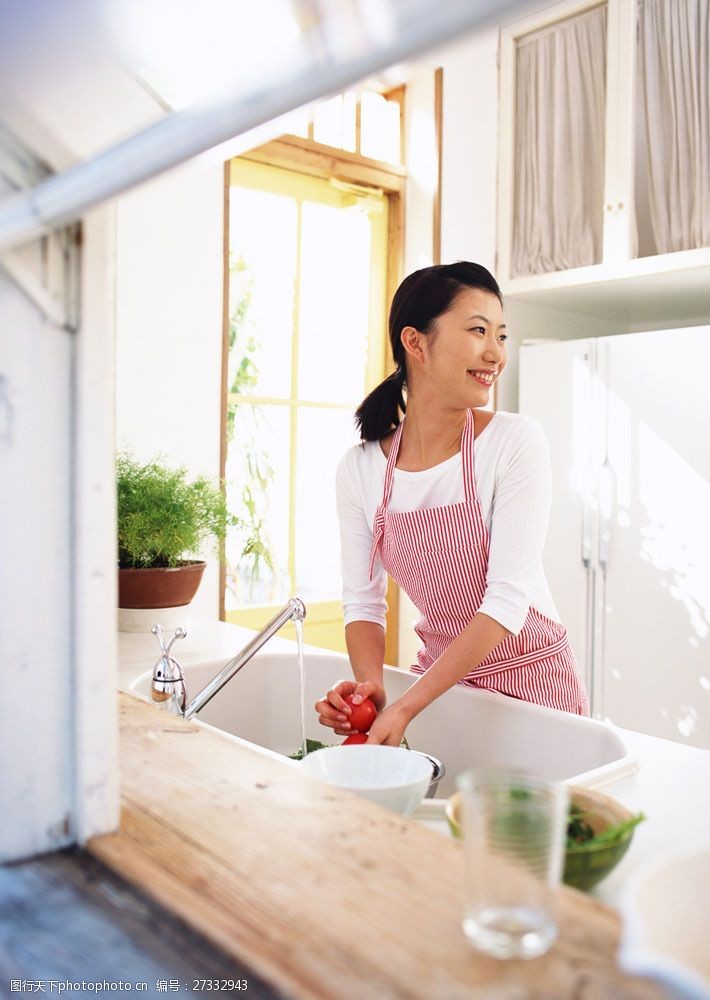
{"x": 477, "y": 329}
{"x": 503, "y": 337}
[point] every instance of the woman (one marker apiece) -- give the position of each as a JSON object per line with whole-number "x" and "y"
{"x": 453, "y": 503}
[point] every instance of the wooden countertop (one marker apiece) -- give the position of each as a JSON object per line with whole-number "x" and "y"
{"x": 319, "y": 892}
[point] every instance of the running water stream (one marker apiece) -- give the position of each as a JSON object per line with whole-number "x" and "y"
{"x": 302, "y": 680}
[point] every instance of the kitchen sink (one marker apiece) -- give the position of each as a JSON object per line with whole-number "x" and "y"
{"x": 465, "y": 727}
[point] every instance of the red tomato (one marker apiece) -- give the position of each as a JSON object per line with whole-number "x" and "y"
{"x": 355, "y": 738}
{"x": 362, "y": 715}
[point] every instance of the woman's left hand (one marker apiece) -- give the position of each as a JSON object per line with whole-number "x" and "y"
{"x": 388, "y": 728}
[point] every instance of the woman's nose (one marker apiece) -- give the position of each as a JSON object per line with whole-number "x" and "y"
{"x": 493, "y": 352}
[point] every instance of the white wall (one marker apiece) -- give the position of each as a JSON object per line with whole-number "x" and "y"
{"x": 420, "y": 156}
{"x": 36, "y": 364}
{"x": 58, "y": 754}
{"x": 469, "y": 159}
{"x": 94, "y": 651}
{"x": 169, "y": 327}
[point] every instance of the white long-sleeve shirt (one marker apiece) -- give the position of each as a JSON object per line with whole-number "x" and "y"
{"x": 513, "y": 483}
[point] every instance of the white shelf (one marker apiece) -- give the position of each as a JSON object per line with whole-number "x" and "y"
{"x": 647, "y": 292}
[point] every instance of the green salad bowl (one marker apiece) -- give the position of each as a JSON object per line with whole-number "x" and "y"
{"x": 585, "y": 864}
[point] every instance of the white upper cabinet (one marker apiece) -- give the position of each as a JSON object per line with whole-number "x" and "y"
{"x": 604, "y": 143}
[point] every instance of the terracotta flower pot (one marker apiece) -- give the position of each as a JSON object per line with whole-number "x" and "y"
{"x": 159, "y": 587}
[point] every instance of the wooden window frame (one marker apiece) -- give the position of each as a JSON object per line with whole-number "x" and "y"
{"x": 317, "y": 160}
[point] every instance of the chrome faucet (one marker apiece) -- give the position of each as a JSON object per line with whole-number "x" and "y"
{"x": 168, "y": 688}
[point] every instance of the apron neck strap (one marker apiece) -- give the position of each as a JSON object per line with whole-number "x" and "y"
{"x": 469, "y": 480}
{"x": 467, "y": 438}
{"x": 391, "y": 462}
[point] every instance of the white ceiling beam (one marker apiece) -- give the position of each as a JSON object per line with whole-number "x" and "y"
{"x": 418, "y": 25}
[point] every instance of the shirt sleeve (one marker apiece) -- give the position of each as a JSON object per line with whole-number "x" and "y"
{"x": 363, "y": 599}
{"x": 519, "y": 520}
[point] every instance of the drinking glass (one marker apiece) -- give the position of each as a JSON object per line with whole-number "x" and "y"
{"x": 514, "y": 828}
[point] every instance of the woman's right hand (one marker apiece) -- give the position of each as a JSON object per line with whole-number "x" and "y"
{"x": 333, "y": 710}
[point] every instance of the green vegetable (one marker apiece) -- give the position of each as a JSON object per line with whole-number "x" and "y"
{"x": 520, "y": 794}
{"x": 578, "y": 830}
{"x": 528, "y": 823}
{"x": 580, "y": 833}
{"x": 311, "y": 745}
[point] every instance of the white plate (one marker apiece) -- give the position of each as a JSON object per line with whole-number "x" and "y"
{"x": 666, "y": 910}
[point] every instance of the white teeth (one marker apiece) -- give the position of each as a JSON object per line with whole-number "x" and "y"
{"x": 485, "y": 376}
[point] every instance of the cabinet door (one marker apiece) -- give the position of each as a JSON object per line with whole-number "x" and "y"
{"x": 553, "y": 140}
{"x": 557, "y": 388}
{"x": 671, "y": 49}
{"x": 656, "y": 644}
{"x": 604, "y": 142}
{"x": 566, "y": 152}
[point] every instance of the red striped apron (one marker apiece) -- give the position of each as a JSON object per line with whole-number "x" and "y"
{"x": 439, "y": 557}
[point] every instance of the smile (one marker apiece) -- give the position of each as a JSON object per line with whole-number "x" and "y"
{"x": 485, "y": 378}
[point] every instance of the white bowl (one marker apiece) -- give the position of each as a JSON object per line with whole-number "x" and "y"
{"x": 666, "y": 910}
{"x": 390, "y": 776}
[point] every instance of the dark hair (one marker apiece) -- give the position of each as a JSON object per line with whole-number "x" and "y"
{"x": 421, "y": 298}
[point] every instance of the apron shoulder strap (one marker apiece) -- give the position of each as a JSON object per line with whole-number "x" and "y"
{"x": 467, "y": 454}
{"x": 378, "y": 527}
{"x": 391, "y": 463}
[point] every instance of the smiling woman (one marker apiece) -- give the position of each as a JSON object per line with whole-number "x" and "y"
{"x": 453, "y": 503}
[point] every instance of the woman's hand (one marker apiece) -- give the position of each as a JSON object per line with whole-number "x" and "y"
{"x": 388, "y": 728}
{"x": 333, "y": 710}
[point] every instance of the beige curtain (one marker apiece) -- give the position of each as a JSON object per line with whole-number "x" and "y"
{"x": 674, "y": 103}
{"x": 560, "y": 97}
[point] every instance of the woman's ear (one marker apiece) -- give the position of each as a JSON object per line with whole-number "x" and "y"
{"x": 412, "y": 341}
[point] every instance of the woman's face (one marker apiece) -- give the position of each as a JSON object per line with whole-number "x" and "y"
{"x": 465, "y": 353}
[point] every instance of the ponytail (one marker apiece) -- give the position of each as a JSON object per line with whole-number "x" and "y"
{"x": 379, "y": 412}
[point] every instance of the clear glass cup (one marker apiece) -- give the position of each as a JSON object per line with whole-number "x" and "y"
{"x": 514, "y": 829}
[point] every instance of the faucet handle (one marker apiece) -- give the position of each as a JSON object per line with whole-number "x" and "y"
{"x": 179, "y": 633}
{"x": 168, "y": 688}
{"x": 157, "y": 630}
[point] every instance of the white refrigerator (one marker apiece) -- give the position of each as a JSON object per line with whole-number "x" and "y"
{"x": 628, "y": 549}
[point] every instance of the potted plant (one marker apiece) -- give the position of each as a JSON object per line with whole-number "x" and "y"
{"x": 164, "y": 519}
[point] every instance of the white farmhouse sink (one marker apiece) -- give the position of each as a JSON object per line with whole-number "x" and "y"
{"x": 463, "y": 728}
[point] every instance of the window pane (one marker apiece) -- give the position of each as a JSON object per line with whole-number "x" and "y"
{"x": 335, "y": 288}
{"x": 334, "y": 122}
{"x": 317, "y": 539}
{"x": 262, "y": 275}
{"x": 379, "y": 127}
{"x": 258, "y": 493}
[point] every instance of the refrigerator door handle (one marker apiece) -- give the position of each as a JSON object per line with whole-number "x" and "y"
{"x": 606, "y": 501}
{"x": 586, "y": 531}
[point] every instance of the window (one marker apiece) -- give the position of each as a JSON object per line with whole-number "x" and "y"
{"x": 365, "y": 122}
{"x": 307, "y": 320}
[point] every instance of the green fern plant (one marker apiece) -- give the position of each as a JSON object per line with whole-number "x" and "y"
{"x": 256, "y": 557}
{"x": 163, "y": 518}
